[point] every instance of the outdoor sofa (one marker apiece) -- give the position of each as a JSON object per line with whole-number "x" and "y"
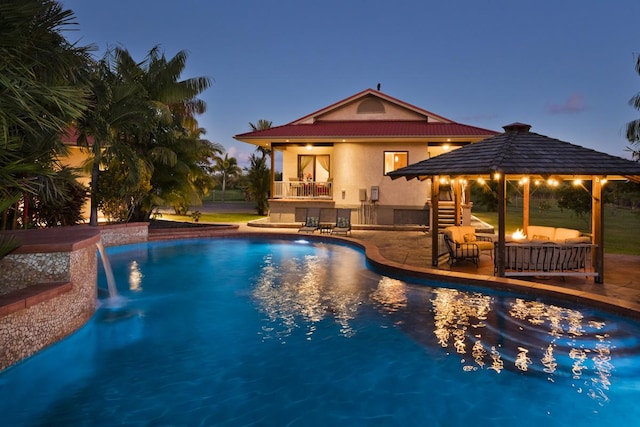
{"x": 549, "y": 251}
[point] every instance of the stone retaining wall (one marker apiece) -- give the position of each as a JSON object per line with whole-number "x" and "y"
{"x": 124, "y": 234}
{"x": 65, "y": 254}
{"x": 19, "y": 271}
{"x": 24, "y": 332}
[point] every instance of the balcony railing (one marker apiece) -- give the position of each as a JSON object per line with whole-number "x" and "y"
{"x": 303, "y": 190}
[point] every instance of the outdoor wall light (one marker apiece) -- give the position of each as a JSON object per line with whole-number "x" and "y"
{"x": 481, "y": 181}
{"x": 309, "y": 147}
{"x": 344, "y": 193}
{"x": 496, "y": 175}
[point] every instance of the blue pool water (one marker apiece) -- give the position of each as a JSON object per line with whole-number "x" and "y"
{"x": 249, "y": 332}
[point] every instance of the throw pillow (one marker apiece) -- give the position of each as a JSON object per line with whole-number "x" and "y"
{"x": 342, "y": 223}
{"x": 469, "y": 237}
{"x": 540, "y": 237}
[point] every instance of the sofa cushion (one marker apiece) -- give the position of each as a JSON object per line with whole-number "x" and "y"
{"x": 563, "y": 234}
{"x": 581, "y": 239}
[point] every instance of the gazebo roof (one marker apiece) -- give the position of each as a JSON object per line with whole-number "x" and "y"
{"x": 518, "y": 151}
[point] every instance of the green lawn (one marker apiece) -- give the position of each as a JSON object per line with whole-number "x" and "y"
{"x": 225, "y": 217}
{"x": 229, "y": 196}
{"x": 621, "y": 226}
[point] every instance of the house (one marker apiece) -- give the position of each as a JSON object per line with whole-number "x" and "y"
{"x": 340, "y": 155}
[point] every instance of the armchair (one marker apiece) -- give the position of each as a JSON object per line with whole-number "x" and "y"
{"x": 464, "y": 244}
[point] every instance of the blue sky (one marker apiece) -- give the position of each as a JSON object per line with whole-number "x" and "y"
{"x": 566, "y": 67}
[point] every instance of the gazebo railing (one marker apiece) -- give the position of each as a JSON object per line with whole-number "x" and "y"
{"x": 549, "y": 259}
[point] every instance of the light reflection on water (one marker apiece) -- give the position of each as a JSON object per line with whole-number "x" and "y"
{"x": 529, "y": 335}
{"x": 303, "y": 291}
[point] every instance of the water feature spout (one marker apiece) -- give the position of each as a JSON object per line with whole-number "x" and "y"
{"x": 111, "y": 281}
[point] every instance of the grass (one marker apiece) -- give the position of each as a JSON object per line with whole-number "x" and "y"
{"x": 621, "y": 226}
{"x": 225, "y": 217}
{"x": 229, "y": 196}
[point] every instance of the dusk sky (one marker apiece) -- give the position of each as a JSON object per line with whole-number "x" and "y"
{"x": 566, "y": 67}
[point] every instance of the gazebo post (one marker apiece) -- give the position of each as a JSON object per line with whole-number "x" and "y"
{"x": 435, "y": 246}
{"x": 272, "y": 175}
{"x": 502, "y": 213}
{"x": 597, "y": 227}
{"x": 457, "y": 200}
{"x": 526, "y": 199}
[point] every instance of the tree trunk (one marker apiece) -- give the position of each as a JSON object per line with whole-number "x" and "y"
{"x": 224, "y": 184}
{"x": 95, "y": 172}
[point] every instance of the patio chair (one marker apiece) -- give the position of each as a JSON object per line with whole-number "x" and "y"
{"x": 463, "y": 244}
{"x": 343, "y": 222}
{"x": 312, "y": 221}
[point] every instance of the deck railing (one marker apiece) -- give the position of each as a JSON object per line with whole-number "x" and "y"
{"x": 303, "y": 190}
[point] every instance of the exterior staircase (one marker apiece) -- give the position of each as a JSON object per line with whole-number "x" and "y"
{"x": 446, "y": 215}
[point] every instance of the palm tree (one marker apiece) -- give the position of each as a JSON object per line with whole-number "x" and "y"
{"x": 259, "y": 182}
{"x": 262, "y": 125}
{"x": 173, "y": 147}
{"x": 145, "y": 117}
{"x": 117, "y": 108}
{"x": 226, "y": 166}
{"x": 633, "y": 127}
{"x": 42, "y": 88}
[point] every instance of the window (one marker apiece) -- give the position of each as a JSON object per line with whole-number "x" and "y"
{"x": 313, "y": 168}
{"x": 395, "y": 160}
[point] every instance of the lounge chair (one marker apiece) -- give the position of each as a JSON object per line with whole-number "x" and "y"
{"x": 312, "y": 221}
{"x": 343, "y": 222}
{"x": 463, "y": 244}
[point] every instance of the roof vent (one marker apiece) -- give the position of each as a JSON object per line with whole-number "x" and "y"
{"x": 371, "y": 105}
{"x": 517, "y": 127}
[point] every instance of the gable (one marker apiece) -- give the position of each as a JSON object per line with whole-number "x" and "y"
{"x": 371, "y": 105}
{"x": 373, "y": 108}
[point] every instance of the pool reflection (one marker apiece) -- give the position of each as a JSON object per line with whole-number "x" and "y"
{"x": 487, "y": 332}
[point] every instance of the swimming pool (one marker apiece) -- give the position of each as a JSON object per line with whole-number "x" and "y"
{"x": 256, "y": 332}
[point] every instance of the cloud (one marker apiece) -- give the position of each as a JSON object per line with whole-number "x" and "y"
{"x": 242, "y": 156}
{"x": 574, "y": 104}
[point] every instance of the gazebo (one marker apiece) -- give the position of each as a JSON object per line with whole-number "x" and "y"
{"x": 521, "y": 155}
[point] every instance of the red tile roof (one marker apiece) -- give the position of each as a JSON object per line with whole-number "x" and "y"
{"x": 374, "y": 129}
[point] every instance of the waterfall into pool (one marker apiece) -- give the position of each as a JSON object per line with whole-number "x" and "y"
{"x": 111, "y": 281}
